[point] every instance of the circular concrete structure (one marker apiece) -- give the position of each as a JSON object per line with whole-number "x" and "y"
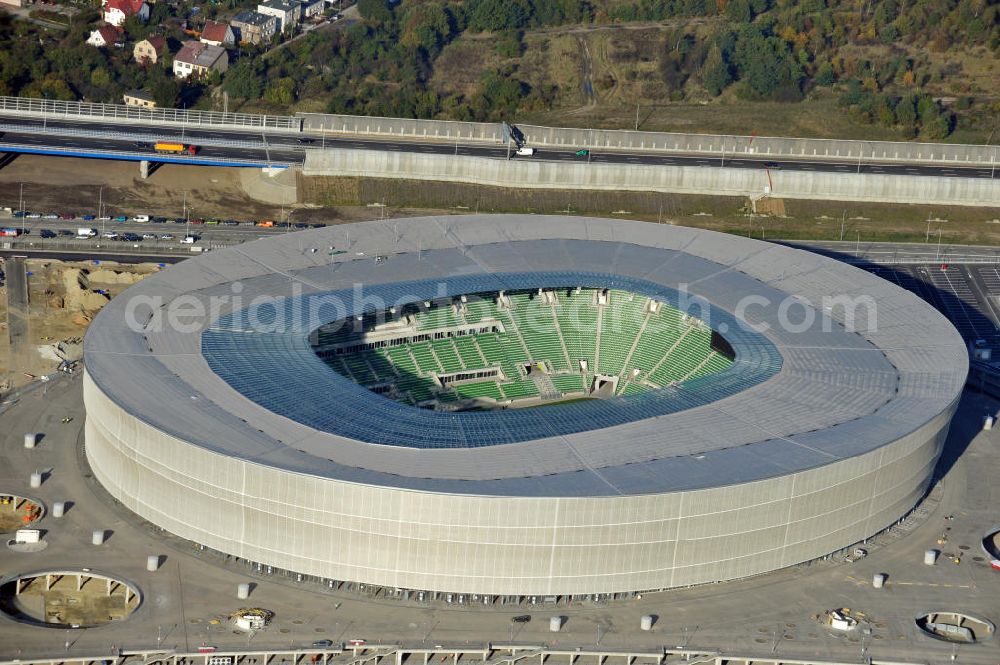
{"x": 211, "y": 414}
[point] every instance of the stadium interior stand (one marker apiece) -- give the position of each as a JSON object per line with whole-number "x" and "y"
{"x": 522, "y": 348}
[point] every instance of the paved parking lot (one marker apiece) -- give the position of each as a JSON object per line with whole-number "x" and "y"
{"x": 772, "y": 614}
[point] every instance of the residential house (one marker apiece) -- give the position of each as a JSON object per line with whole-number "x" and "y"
{"x": 150, "y": 50}
{"x": 253, "y": 27}
{"x": 139, "y": 98}
{"x": 116, "y": 11}
{"x": 217, "y": 34}
{"x": 287, "y": 13}
{"x": 199, "y": 59}
{"x": 106, "y": 36}
{"x": 310, "y": 8}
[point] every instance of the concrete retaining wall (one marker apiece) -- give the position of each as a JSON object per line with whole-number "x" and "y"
{"x": 717, "y": 146}
{"x": 528, "y": 173}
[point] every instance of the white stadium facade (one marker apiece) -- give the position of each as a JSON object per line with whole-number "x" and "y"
{"x": 377, "y": 403}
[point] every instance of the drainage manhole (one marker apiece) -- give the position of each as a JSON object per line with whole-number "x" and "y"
{"x": 297, "y": 622}
{"x": 763, "y": 630}
{"x": 963, "y": 547}
{"x": 319, "y": 630}
{"x": 760, "y": 640}
{"x": 284, "y": 630}
{"x": 789, "y": 625}
{"x": 877, "y": 637}
{"x": 194, "y": 620}
{"x": 978, "y": 559}
{"x": 789, "y": 637}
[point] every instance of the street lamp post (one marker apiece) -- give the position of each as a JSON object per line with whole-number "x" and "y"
{"x": 938, "y": 254}
{"x": 861, "y": 153}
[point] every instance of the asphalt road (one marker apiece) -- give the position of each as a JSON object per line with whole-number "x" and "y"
{"x": 290, "y": 148}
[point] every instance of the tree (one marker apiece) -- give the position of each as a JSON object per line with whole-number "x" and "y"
{"x": 497, "y": 15}
{"x": 281, "y": 92}
{"x": 242, "y": 80}
{"x": 824, "y": 74}
{"x": 716, "y": 72}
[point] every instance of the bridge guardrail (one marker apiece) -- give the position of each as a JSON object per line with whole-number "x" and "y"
{"x": 134, "y": 136}
{"x": 201, "y": 160}
{"x": 157, "y": 116}
{"x": 714, "y": 146}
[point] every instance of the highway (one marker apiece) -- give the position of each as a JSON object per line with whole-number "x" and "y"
{"x": 290, "y": 148}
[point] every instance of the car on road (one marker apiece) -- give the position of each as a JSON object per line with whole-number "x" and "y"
{"x": 582, "y": 152}
{"x": 521, "y": 618}
{"x": 149, "y": 236}
{"x": 305, "y": 140}
{"x": 772, "y": 166}
{"x": 356, "y": 642}
{"x": 167, "y": 236}
{"x": 88, "y": 218}
{"x": 110, "y": 235}
{"x": 322, "y": 644}
{"x": 47, "y": 233}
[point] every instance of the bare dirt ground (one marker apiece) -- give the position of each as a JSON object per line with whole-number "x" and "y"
{"x": 67, "y": 185}
{"x": 63, "y": 298}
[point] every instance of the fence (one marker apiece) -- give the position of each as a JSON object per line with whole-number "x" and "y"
{"x": 719, "y": 147}
{"x": 22, "y": 106}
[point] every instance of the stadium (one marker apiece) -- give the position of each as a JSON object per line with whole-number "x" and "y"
{"x": 508, "y": 406}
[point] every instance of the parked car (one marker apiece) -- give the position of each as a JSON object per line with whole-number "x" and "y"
{"x": 141, "y": 219}
{"x": 110, "y": 235}
{"x": 66, "y": 232}
{"x": 131, "y": 237}
{"x": 88, "y": 218}
{"x": 50, "y": 215}
{"x": 121, "y": 219}
{"x": 231, "y": 222}
{"x": 167, "y": 236}
{"x": 198, "y": 221}
{"x": 47, "y": 233}
{"x": 34, "y": 215}
{"x": 149, "y": 236}
{"x": 322, "y": 644}
{"x": 189, "y": 240}
{"x": 158, "y": 220}
{"x": 104, "y": 218}
{"x": 306, "y": 140}
{"x": 68, "y": 216}
{"x": 20, "y": 213}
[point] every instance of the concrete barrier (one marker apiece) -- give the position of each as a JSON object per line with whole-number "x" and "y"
{"x": 540, "y": 174}
{"x": 717, "y": 146}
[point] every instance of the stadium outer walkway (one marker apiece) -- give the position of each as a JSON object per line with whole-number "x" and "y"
{"x": 764, "y": 618}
